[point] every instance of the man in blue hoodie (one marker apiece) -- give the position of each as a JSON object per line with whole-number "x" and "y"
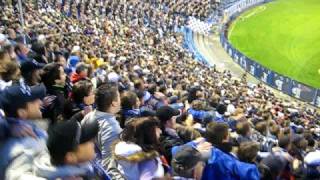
{"x": 222, "y": 164}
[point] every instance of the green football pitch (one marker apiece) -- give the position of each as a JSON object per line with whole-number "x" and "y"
{"x": 284, "y": 36}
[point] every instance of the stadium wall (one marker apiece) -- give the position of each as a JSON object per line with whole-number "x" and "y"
{"x": 282, "y": 83}
{"x": 190, "y": 46}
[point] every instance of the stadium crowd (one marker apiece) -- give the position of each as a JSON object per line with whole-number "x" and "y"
{"x": 104, "y": 90}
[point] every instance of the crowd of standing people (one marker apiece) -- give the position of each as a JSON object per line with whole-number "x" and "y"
{"x": 104, "y": 90}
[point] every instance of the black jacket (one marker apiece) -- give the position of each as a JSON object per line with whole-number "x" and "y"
{"x": 167, "y": 142}
{"x": 55, "y": 110}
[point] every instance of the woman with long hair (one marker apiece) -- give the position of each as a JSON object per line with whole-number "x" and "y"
{"x": 137, "y": 151}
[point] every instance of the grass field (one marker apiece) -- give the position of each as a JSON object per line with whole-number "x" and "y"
{"x": 284, "y": 36}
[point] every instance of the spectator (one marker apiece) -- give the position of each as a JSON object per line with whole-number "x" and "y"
{"x": 9, "y": 73}
{"x": 221, "y": 164}
{"x": 19, "y": 153}
{"x": 271, "y": 167}
{"x": 54, "y": 78}
{"x": 81, "y": 101}
{"x": 187, "y": 164}
{"x": 130, "y": 104}
{"x": 81, "y": 73}
{"x": 220, "y": 112}
{"x": 71, "y": 148}
{"x": 108, "y": 104}
{"x": 30, "y": 71}
{"x": 137, "y": 151}
{"x": 39, "y": 52}
{"x": 244, "y": 132}
{"x": 22, "y": 52}
{"x": 169, "y": 137}
{"x": 248, "y": 152}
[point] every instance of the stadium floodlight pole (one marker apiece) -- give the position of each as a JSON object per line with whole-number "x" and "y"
{"x": 21, "y": 13}
{"x": 21, "y": 19}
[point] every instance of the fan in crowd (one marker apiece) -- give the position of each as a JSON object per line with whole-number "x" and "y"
{"x": 104, "y": 90}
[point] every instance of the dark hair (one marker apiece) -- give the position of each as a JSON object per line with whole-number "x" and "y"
{"x": 310, "y": 139}
{"x": 12, "y": 112}
{"x": 28, "y": 77}
{"x": 81, "y": 67}
{"x": 18, "y": 47}
{"x": 128, "y": 100}
{"x": 51, "y": 72}
{"x": 38, "y": 48}
{"x": 152, "y": 89}
{"x": 221, "y": 109}
{"x": 243, "y": 128}
{"x": 248, "y": 151}
{"x": 141, "y": 131}
{"x": 216, "y": 132}
{"x": 105, "y": 95}
{"x": 284, "y": 141}
{"x": 80, "y": 90}
{"x": 137, "y": 83}
{"x": 261, "y": 127}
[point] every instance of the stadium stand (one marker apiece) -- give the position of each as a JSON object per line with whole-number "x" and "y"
{"x": 104, "y": 90}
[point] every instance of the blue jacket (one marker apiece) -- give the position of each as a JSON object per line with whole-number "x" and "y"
{"x": 131, "y": 113}
{"x": 226, "y": 167}
{"x": 200, "y": 114}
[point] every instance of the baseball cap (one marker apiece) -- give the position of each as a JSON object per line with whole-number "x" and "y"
{"x": 165, "y": 113}
{"x": 13, "y": 97}
{"x": 68, "y": 135}
{"x": 274, "y": 163}
{"x": 186, "y": 159}
{"x": 30, "y": 65}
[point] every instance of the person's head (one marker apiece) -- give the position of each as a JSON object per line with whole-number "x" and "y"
{"x": 284, "y": 142}
{"x": 187, "y": 163}
{"x": 138, "y": 84}
{"x": 261, "y": 127}
{"x": 243, "y": 128}
{"x": 311, "y": 140}
{"x": 271, "y": 167}
{"x": 39, "y": 48}
{"x": 221, "y": 109}
{"x": 21, "y": 101}
{"x": 217, "y": 133}
{"x": 21, "y": 49}
{"x": 70, "y": 143}
{"x": 10, "y": 71}
{"x": 248, "y": 151}
{"x": 60, "y": 59}
{"x": 108, "y": 98}
{"x": 53, "y": 74}
{"x": 129, "y": 100}
{"x": 144, "y": 132}
{"x": 30, "y": 71}
{"x": 167, "y": 116}
{"x": 12, "y": 34}
{"x": 298, "y": 144}
{"x": 83, "y": 93}
{"x": 8, "y": 48}
{"x": 274, "y": 129}
{"x": 82, "y": 70}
